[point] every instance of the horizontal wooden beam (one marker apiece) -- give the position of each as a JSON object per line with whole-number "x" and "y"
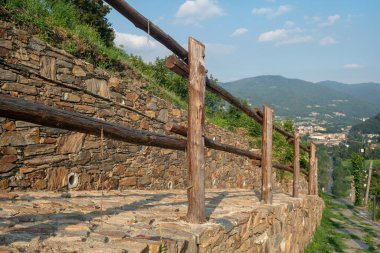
{"x": 182, "y": 130}
{"x": 288, "y": 168}
{"x": 19, "y": 109}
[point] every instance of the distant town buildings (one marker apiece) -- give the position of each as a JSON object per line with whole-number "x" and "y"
{"x": 328, "y": 139}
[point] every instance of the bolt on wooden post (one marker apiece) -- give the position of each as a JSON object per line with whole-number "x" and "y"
{"x": 266, "y": 161}
{"x": 195, "y": 141}
{"x": 296, "y": 164}
{"x": 311, "y": 186}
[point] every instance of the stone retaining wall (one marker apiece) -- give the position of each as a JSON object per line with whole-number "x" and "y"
{"x": 41, "y": 158}
{"x": 286, "y": 226}
{"x": 140, "y": 221}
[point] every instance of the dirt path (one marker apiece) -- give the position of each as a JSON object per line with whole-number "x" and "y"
{"x": 359, "y": 232}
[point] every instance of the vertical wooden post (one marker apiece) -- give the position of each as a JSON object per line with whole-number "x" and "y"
{"x": 368, "y": 183}
{"x": 195, "y": 133}
{"x": 296, "y": 164}
{"x": 311, "y": 186}
{"x": 316, "y": 176}
{"x": 266, "y": 161}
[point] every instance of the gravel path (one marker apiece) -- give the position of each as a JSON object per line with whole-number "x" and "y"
{"x": 360, "y": 233}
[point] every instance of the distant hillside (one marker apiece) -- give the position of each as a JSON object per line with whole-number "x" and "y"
{"x": 294, "y": 97}
{"x": 370, "y": 126}
{"x": 364, "y": 91}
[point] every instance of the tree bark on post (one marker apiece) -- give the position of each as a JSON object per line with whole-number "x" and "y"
{"x": 266, "y": 162}
{"x": 368, "y": 183}
{"x": 311, "y": 186}
{"x": 296, "y": 164}
{"x": 195, "y": 141}
{"x": 316, "y": 176}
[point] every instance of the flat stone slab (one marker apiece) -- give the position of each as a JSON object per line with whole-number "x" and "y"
{"x": 120, "y": 221}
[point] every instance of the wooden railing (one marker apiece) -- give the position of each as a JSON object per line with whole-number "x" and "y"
{"x": 189, "y": 65}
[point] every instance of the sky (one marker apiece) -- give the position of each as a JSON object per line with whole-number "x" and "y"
{"x": 313, "y": 40}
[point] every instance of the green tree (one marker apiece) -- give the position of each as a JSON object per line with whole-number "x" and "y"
{"x": 358, "y": 172}
{"x": 93, "y": 13}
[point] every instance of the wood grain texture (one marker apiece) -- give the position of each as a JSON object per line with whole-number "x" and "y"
{"x": 195, "y": 132}
{"x": 266, "y": 162}
{"x": 311, "y": 185}
{"x": 296, "y": 164}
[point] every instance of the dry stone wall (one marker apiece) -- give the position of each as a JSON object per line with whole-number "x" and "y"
{"x": 34, "y": 157}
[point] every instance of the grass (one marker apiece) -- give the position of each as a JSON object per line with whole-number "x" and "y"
{"x": 326, "y": 238}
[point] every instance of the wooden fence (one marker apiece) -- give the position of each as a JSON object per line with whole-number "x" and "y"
{"x": 191, "y": 66}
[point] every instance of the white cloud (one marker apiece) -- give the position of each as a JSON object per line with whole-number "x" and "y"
{"x": 140, "y": 45}
{"x": 275, "y": 35}
{"x": 271, "y": 13}
{"x": 331, "y": 20}
{"x": 285, "y": 37}
{"x": 239, "y": 32}
{"x": 283, "y": 9}
{"x": 194, "y": 11}
{"x": 134, "y": 41}
{"x": 327, "y": 41}
{"x": 352, "y": 66}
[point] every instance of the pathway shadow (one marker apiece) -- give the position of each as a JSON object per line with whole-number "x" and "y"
{"x": 52, "y": 223}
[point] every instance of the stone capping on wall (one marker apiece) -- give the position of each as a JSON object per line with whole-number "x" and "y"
{"x": 40, "y": 158}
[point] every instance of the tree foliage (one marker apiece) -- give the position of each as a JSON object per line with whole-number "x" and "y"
{"x": 93, "y": 13}
{"x": 358, "y": 172}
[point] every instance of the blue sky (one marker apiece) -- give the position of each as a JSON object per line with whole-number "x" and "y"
{"x": 314, "y": 40}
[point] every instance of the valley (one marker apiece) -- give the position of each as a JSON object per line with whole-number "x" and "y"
{"x": 324, "y": 107}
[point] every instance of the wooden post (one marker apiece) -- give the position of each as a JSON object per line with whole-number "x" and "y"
{"x": 316, "y": 176}
{"x": 296, "y": 164}
{"x": 266, "y": 162}
{"x": 195, "y": 141}
{"x": 368, "y": 183}
{"x": 311, "y": 186}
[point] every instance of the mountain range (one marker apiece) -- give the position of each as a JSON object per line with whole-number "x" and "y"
{"x": 333, "y": 104}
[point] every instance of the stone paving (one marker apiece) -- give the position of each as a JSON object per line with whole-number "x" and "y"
{"x": 126, "y": 221}
{"x": 361, "y": 234}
